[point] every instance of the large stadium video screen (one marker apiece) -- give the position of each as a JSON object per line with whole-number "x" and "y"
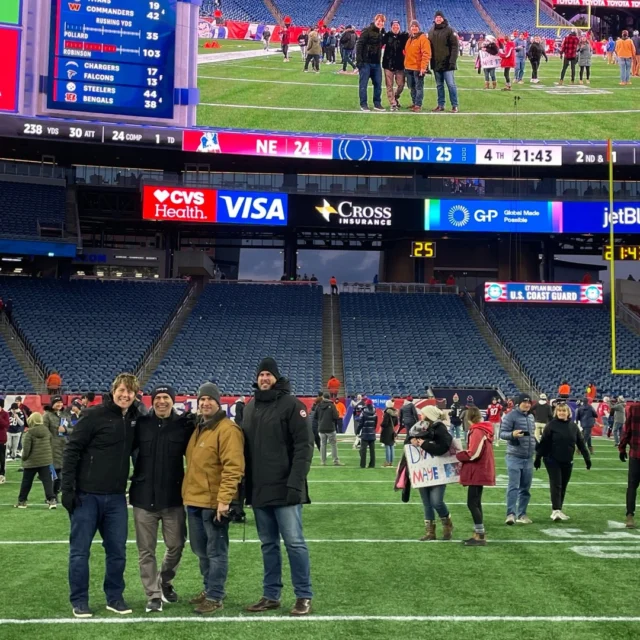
{"x": 204, "y": 77}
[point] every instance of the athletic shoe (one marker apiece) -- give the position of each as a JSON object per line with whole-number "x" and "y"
{"x": 559, "y": 84}
{"x": 555, "y": 515}
{"x": 209, "y": 606}
{"x": 82, "y": 611}
{"x": 438, "y": 108}
{"x": 394, "y": 108}
{"x": 154, "y": 606}
{"x": 119, "y": 606}
{"x": 365, "y": 109}
{"x": 53, "y": 504}
{"x": 563, "y": 516}
{"x": 379, "y": 107}
{"x": 306, "y": 70}
{"x": 630, "y": 522}
{"x": 511, "y": 519}
{"x": 21, "y": 505}
{"x": 2, "y": 479}
{"x": 416, "y": 109}
{"x": 169, "y": 594}
{"x": 455, "y": 110}
{"x": 524, "y": 520}
{"x": 588, "y": 81}
{"x": 338, "y": 464}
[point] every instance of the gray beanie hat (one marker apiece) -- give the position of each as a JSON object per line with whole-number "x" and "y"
{"x": 211, "y": 390}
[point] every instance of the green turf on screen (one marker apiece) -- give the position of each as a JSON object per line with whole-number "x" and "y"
{"x": 366, "y": 570}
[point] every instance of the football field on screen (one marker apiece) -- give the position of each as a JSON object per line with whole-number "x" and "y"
{"x": 266, "y": 93}
{"x": 372, "y": 578}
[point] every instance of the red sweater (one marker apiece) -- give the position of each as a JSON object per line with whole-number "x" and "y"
{"x": 508, "y": 55}
{"x": 478, "y": 463}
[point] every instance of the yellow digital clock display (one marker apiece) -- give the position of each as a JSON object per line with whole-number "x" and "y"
{"x": 622, "y": 252}
{"x": 423, "y": 249}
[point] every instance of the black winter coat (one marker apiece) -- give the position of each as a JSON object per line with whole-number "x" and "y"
{"x": 278, "y": 448}
{"x": 389, "y": 424}
{"x": 348, "y": 40}
{"x": 536, "y": 52}
{"x": 96, "y": 458}
{"x": 542, "y": 413}
{"x": 393, "y": 56}
{"x": 369, "y": 46}
{"x": 366, "y": 427}
{"x": 325, "y": 417}
{"x": 444, "y": 47}
{"x": 437, "y": 439}
{"x": 455, "y": 411}
{"x": 239, "y": 413}
{"x": 559, "y": 441}
{"x": 159, "y": 469}
{"x": 408, "y": 414}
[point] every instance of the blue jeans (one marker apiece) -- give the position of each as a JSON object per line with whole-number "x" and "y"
{"x": 449, "y": 78}
{"x": 108, "y": 515}
{"x": 586, "y": 434}
{"x": 211, "y": 545}
{"x": 520, "y": 472}
{"x": 454, "y": 430}
{"x": 388, "y": 453}
{"x": 286, "y": 522}
{"x": 347, "y": 58}
{"x": 625, "y": 69}
{"x": 433, "y": 501}
{"x": 373, "y": 71}
{"x": 520, "y": 64}
{"x": 617, "y": 432}
{"x": 415, "y": 82}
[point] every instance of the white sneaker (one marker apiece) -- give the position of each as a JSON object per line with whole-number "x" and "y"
{"x": 2, "y": 479}
{"x": 555, "y": 515}
{"x": 563, "y": 516}
{"x": 511, "y": 519}
{"x": 524, "y": 520}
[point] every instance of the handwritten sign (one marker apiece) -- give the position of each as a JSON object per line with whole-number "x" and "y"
{"x": 426, "y": 470}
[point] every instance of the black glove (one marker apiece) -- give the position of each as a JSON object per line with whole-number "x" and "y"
{"x": 588, "y": 463}
{"x": 69, "y": 501}
{"x": 537, "y": 464}
{"x": 623, "y": 456}
{"x": 294, "y": 496}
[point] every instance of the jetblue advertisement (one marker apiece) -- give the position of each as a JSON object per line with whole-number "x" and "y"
{"x": 530, "y": 216}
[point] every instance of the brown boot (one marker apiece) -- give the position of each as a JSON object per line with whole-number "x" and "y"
{"x": 209, "y": 606}
{"x": 429, "y": 530}
{"x": 302, "y": 607}
{"x": 478, "y": 540}
{"x": 199, "y": 599}
{"x": 264, "y": 604}
{"x": 486, "y": 85}
{"x": 494, "y": 84}
{"x": 447, "y": 528}
{"x": 630, "y": 523}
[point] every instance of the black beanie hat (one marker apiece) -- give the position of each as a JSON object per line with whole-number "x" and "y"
{"x": 56, "y": 399}
{"x": 439, "y": 13}
{"x": 164, "y": 388}
{"x": 270, "y": 365}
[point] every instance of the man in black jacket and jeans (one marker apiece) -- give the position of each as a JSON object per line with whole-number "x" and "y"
{"x": 278, "y": 453}
{"x": 368, "y": 50}
{"x": 95, "y": 470}
{"x": 444, "y": 49}
{"x": 394, "y": 42}
{"x": 156, "y": 494}
{"x": 347, "y": 47}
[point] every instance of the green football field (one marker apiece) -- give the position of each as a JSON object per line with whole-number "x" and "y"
{"x": 266, "y": 93}
{"x": 371, "y": 576}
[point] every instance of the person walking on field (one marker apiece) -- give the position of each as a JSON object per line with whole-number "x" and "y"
{"x": 586, "y": 416}
{"x": 445, "y": 49}
{"x": 569, "y": 50}
{"x": 59, "y": 426}
{"x": 416, "y": 62}
{"x": 626, "y": 52}
{"x": 507, "y": 55}
{"x": 314, "y": 51}
{"x": 325, "y": 417}
{"x": 285, "y": 38}
{"x": 266, "y": 36}
{"x": 631, "y": 438}
{"x": 478, "y": 471}
{"x": 408, "y": 415}
{"x": 557, "y": 447}
{"x": 535, "y": 54}
{"x": 348, "y": 45}
{"x": 619, "y": 417}
{"x": 521, "y": 47}
{"x": 494, "y": 416}
{"x": 303, "y": 41}
{"x": 542, "y": 414}
{"x": 368, "y": 51}
{"x": 610, "y": 49}
{"x": 394, "y": 43}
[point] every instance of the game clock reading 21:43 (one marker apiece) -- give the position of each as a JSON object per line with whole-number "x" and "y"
{"x": 114, "y": 57}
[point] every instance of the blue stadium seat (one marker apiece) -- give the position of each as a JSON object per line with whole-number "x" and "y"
{"x": 24, "y": 205}
{"x": 12, "y": 378}
{"x": 241, "y": 10}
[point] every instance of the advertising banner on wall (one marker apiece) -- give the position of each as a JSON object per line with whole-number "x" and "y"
{"x": 553, "y": 292}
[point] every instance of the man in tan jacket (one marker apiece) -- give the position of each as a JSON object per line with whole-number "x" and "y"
{"x": 215, "y": 467}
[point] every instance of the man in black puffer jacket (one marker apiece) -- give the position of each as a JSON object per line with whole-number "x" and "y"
{"x": 368, "y": 51}
{"x": 408, "y": 415}
{"x": 394, "y": 42}
{"x": 347, "y": 47}
{"x": 366, "y": 429}
{"x": 278, "y": 452}
{"x": 444, "y": 48}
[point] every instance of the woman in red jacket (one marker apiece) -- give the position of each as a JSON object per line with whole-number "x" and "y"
{"x": 478, "y": 471}
{"x": 508, "y": 54}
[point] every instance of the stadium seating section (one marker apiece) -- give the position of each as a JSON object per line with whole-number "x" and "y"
{"x": 28, "y": 204}
{"x": 461, "y": 15}
{"x": 359, "y": 13}
{"x": 398, "y": 343}
{"x": 242, "y": 10}
{"x": 571, "y": 343}
{"x": 304, "y": 13}
{"x": 234, "y": 326}
{"x": 90, "y": 331}
{"x": 12, "y": 378}
{"x": 510, "y": 15}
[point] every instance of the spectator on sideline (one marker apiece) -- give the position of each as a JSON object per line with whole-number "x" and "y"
{"x": 313, "y": 420}
{"x": 342, "y": 412}
{"x": 347, "y": 47}
{"x": 303, "y": 41}
{"x": 591, "y": 391}
{"x": 517, "y": 429}
{"x": 278, "y": 451}
{"x": 586, "y": 416}
{"x": 368, "y": 49}
{"x": 478, "y": 471}
{"x": 333, "y": 384}
{"x": 416, "y": 63}
{"x": 53, "y": 383}
{"x": 489, "y": 61}
{"x": 626, "y": 52}
{"x": 366, "y": 430}
{"x": 334, "y": 285}
{"x": 604, "y": 409}
{"x": 542, "y": 414}
{"x": 610, "y": 48}
{"x": 58, "y": 425}
{"x": 95, "y": 471}
{"x": 87, "y": 401}
{"x": 285, "y": 38}
{"x": 388, "y": 432}
{"x": 444, "y": 51}
{"x": 521, "y": 46}
{"x": 454, "y": 416}
{"x": 394, "y": 43}
{"x": 507, "y": 55}
{"x": 266, "y": 36}
{"x": 535, "y": 55}
{"x": 431, "y": 435}
{"x": 408, "y": 415}
{"x": 564, "y": 390}
{"x": 156, "y": 494}
{"x": 325, "y": 417}
{"x": 619, "y": 417}
{"x": 494, "y": 416}
{"x": 584, "y": 60}
{"x": 331, "y": 46}
{"x": 557, "y": 447}
{"x": 635, "y": 67}
{"x": 631, "y": 438}
{"x": 215, "y": 468}
{"x": 569, "y": 50}
{"x": 14, "y": 434}
{"x": 239, "y": 410}
{"x": 23, "y": 407}
{"x": 358, "y": 406}
{"x": 314, "y": 50}
{"x": 37, "y": 459}
{"x": 4, "y": 428}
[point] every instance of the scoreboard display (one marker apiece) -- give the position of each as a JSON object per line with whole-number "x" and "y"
{"x": 114, "y": 57}
{"x": 622, "y": 252}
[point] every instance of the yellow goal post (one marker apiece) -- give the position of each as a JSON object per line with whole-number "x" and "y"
{"x": 560, "y": 27}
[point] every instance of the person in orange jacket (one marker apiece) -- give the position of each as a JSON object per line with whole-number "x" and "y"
{"x": 626, "y": 52}
{"x": 342, "y": 412}
{"x": 334, "y": 285}
{"x": 591, "y": 391}
{"x": 54, "y": 382}
{"x": 417, "y": 54}
{"x": 564, "y": 390}
{"x": 333, "y": 384}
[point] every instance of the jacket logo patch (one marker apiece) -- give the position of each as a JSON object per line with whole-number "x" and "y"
{"x": 303, "y": 413}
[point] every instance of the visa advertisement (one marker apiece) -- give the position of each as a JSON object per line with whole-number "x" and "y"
{"x": 201, "y": 205}
{"x": 543, "y": 292}
{"x": 530, "y": 216}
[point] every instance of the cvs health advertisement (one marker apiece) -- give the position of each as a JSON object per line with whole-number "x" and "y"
{"x": 200, "y": 205}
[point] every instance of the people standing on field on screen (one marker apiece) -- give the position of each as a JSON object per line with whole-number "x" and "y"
{"x": 285, "y": 38}
{"x": 585, "y": 52}
{"x": 445, "y": 48}
{"x": 394, "y": 43}
{"x": 388, "y": 432}
{"x": 366, "y": 430}
{"x": 454, "y": 416}
{"x": 266, "y": 36}
{"x": 368, "y": 52}
{"x": 631, "y": 438}
{"x": 494, "y": 416}
{"x": 303, "y": 41}
{"x": 586, "y": 416}
{"x": 535, "y": 54}
{"x": 626, "y": 52}
{"x": 619, "y": 417}
{"x": 314, "y": 50}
